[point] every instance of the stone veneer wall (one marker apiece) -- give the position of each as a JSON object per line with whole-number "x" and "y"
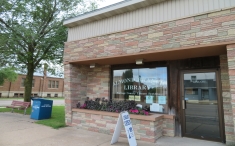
{"x": 226, "y": 97}
{"x": 75, "y": 85}
{"x": 231, "y": 101}
{"x": 203, "y": 29}
{"x": 81, "y": 82}
{"x": 144, "y": 130}
{"x": 98, "y": 82}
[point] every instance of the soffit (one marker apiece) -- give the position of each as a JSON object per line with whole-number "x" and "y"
{"x": 112, "y": 10}
{"x": 161, "y": 55}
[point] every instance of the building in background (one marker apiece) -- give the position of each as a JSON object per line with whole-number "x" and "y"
{"x": 42, "y": 86}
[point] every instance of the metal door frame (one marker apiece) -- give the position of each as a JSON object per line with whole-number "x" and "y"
{"x": 220, "y": 104}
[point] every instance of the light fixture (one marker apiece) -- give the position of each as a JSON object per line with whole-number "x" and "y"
{"x": 92, "y": 65}
{"x": 139, "y": 61}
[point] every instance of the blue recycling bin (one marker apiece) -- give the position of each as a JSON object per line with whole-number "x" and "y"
{"x": 41, "y": 109}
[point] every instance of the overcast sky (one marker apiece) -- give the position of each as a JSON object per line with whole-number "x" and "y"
{"x": 108, "y": 2}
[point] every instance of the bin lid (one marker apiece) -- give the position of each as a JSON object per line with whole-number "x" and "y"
{"x": 41, "y": 99}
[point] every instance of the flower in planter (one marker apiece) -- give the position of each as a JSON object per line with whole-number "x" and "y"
{"x": 83, "y": 106}
{"x": 102, "y": 104}
{"x": 78, "y": 105}
{"x": 134, "y": 111}
{"x": 145, "y": 112}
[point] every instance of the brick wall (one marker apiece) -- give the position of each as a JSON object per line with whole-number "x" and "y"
{"x": 16, "y": 87}
{"x": 98, "y": 82}
{"x": 203, "y": 29}
{"x": 227, "y": 106}
{"x": 231, "y": 100}
{"x": 75, "y": 88}
{"x": 144, "y": 130}
{"x": 82, "y": 82}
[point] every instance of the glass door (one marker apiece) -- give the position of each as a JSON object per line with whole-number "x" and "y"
{"x": 200, "y": 105}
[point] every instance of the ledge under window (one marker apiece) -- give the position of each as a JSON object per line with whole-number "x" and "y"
{"x": 151, "y": 117}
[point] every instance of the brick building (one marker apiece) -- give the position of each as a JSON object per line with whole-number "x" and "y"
{"x": 182, "y": 54}
{"x": 43, "y": 86}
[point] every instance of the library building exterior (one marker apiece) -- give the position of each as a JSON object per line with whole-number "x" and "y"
{"x": 176, "y": 57}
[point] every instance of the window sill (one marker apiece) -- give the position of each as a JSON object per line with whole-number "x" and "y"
{"x": 151, "y": 117}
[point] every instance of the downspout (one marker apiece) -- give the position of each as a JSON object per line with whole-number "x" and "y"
{"x": 42, "y": 87}
{"x": 63, "y": 89}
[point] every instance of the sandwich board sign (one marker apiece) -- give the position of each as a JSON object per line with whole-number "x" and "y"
{"x": 124, "y": 119}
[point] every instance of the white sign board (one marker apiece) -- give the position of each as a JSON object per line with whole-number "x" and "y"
{"x": 155, "y": 107}
{"x": 124, "y": 119}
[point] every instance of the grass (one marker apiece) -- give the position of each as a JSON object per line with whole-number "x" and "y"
{"x": 56, "y": 121}
{"x": 28, "y": 111}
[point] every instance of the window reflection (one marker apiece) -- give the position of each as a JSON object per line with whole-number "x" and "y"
{"x": 147, "y": 86}
{"x": 200, "y": 86}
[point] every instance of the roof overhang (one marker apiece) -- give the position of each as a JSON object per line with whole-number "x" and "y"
{"x": 115, "y": 9}
{"x": 160, "y": 55}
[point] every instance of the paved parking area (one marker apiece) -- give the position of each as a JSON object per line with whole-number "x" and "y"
{"x": 20, "y": 130}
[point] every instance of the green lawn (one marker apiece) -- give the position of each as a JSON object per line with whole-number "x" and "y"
{"x": 28, "y": 111}
{"x": 56, "y": 121}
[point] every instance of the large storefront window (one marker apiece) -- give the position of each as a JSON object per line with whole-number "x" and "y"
{"x": 147, "y": 86}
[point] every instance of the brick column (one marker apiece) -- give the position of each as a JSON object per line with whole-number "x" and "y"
{"x": 75, "y": 88}
{"x": 98, "y": 81}
{"x": 229, "y": 103}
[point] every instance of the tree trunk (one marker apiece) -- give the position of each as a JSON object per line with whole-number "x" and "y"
{"x": 28, "y": 83}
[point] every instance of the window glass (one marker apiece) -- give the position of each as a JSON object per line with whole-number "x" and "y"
{"x": 53, "y": 84}
{"x": 33, "y": 83}
{"x": 49, "y": 84}
{"x": 23, "y": 82}
{"x": 147, "y": 86}
{"x": 57, "y": 84}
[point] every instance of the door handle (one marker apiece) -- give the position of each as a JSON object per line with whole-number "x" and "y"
{"x": 183, "y": 104}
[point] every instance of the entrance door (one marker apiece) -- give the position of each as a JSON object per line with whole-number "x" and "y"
{"x": 200, "y": 105}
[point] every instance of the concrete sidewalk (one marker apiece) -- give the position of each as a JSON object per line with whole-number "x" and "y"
{"x": 20, "y": 130}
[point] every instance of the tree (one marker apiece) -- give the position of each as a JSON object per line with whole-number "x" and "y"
{"x": 7, "y": 74}
{"x": 32, "y": 33}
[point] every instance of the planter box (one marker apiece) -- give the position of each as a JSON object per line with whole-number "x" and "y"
{"x": 147, "y": 128}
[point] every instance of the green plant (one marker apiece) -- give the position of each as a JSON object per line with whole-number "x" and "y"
{"x": 112, "y": 106}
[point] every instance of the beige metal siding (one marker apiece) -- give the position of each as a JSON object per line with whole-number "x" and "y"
{"x": 165, "y": 11}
